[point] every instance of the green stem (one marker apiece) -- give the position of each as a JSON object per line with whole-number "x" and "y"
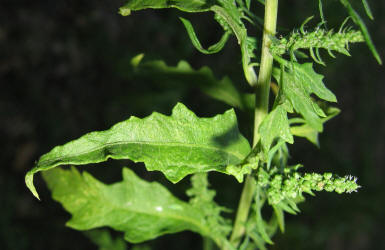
{"x": 263, "y": 84}
{"x": 261, "y": 110}
{"x": 243, "y": 211}
{"x": 208, "y": 244}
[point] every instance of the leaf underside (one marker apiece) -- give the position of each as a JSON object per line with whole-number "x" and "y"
{"x": 176, "y": 145}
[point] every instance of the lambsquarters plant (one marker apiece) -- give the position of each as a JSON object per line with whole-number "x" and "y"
{"x": 183, "y": 145}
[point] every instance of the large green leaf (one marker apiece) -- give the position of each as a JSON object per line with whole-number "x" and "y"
{"x": 176, "y": 145}
{"x": 140, "y": 209}
{"x": 184, "y": 5}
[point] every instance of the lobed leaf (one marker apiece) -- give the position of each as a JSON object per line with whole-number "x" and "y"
{"x": 140, "y": 209}
{"x": 299, "y": 81}
{"x": 310, "y": 80}
{"x": 176, "y": 145}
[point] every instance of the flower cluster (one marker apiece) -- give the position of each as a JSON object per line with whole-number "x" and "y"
{"x": 318, "y": 39}
{"x": 280, "y": 186}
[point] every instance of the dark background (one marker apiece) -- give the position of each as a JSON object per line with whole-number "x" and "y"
{"x": 63, "y": 73}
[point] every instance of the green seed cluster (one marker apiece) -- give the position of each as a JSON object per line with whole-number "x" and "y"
{"x": 281, "y": 186}
{"x": 318, "y": 39}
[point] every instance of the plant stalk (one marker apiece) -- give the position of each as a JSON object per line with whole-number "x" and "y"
{"x": 261, "y": 110}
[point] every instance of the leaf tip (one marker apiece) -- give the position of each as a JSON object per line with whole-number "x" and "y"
{"x": 124, "y": 11}
{"x": 29, "y": 183}
{"x": 135, "y": 61}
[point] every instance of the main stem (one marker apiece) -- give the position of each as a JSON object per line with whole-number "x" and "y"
{"x": 261, "y": 110}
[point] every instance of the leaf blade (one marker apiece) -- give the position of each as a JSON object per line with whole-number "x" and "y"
{"x": 275, "y": 125}
{"x": 176, "y": 145}
{"x": 140, "y": 209}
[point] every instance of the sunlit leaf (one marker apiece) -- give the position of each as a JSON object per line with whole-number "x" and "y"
{"x": 139, "y": 209}
{"x": 176, "y": 145}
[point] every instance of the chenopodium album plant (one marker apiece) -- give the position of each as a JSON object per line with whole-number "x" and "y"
{"x": 183, "y": 144}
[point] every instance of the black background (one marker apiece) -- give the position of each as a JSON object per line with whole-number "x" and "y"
{"x": 63, "y": 71}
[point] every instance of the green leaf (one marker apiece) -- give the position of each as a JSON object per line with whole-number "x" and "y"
{"x": 280, "y": 215}
{"x": 310, "y": 133}
{"x": 307, "y": 132}
{"x": 275, "y": 125}
{"x": 299, "y": 81}
{"x": 176, "y": 145}
{"x": 358, "y": 20}
{"x": 311, "y": 81}
{"x": 367, "y": 9}
{"x": 183, "y": 5}
{"x": 140, "y": 209}
{"x": 222, "y": 90}
{"x": 195, "y": 41}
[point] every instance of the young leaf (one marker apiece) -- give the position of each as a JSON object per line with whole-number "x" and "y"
{"x": 275, "y": 125}
{"x": 195, "y": 41}
{"x": 140, "y": 209}
{"x": 357, "y": 19}
{"x": 367, "y": 9}
{"x": 176, "y": 145}
{"x": 310, "y": 133}
{"x": 280, "y": 215}
{"x": 310, "y": 80}
{"x": 298, "y": 82}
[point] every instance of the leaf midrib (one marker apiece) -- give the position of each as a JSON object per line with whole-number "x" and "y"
{"x": 238, "y": 156}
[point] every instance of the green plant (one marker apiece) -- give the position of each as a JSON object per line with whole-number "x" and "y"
{"x": 183, "y": 144}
